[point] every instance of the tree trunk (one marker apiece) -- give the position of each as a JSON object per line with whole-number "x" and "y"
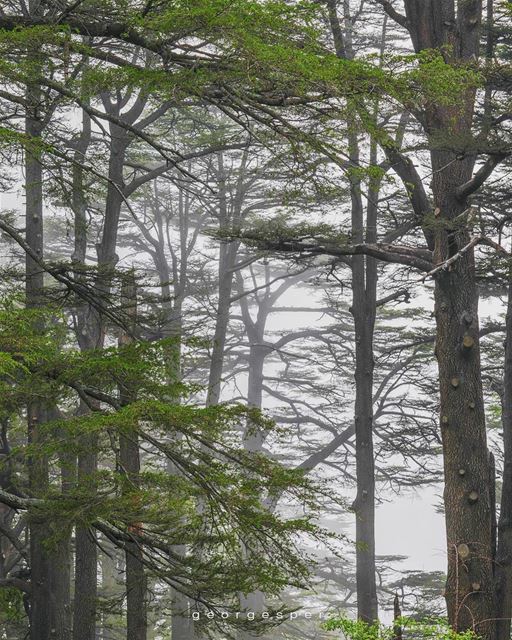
{"x": 50, "y": 568}
{"x": 253, "y": 442}
{"x": 86, "y": 588}
{"x": 504, "y": 553}
{"x": 470, "y": 594}
{"x": 364, "y": 290}
{"x": 91, "y": 335}
{"x": 129, "y": 459}
{"x": 454, "y": 30}
{"x": 42, "y": 603}
{"x": 227, "y": 258}
{"x": 364, "y": 283}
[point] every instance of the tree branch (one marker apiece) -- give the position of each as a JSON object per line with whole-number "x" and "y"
{"x": 415, "y": 257}
{"x": 395, "y": 15}
{"x": 468, "y": 188}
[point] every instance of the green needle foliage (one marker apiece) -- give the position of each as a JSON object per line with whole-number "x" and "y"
{"x": 197, "y": 486}
{"x": 405, "y": 628}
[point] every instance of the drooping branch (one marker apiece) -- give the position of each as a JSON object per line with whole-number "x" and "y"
{"x": 59, "y": 273}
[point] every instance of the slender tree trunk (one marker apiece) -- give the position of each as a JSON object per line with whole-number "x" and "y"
{"x": 363, "y": 309}
{"x": 110, "y": 588}
{"x": 364, "y": 289}
{"x": 253, "y": 442}
{"x": 61, "y": 559}
{"x": 84, "y": 626}
{"x": 50, "y": 568}
{"x": 42, "y": 603}
{"x": 227, "y": 258}
{"x": 129, "y": 458}
{"x": 254, "y": 437}
{"x": 38, "y": 465}
{"x": 504, "y": 553}
{"x": 91, "y": 335}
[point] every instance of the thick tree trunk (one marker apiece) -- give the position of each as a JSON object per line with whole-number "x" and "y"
{"x": 469, "y": 510}
{"x": 454, "y": 30}
{"x": 504, "y": 553}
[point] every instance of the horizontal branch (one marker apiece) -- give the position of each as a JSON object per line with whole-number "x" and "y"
{"x": 415, "y": 257}
{"x": 15, "y": 583}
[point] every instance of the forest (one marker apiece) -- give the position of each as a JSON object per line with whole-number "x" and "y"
{"x": 255, "y": 319}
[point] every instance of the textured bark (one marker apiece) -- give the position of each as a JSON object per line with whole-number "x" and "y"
{"x": 469, "y": 512}
{"x": 467, "y": 495}
{"x": 504, "y": 552}
{"x": 455, "y": 30}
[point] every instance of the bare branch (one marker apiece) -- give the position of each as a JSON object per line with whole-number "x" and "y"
{"x": 395, "y": 15}
{"x": 469, "y": 187}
